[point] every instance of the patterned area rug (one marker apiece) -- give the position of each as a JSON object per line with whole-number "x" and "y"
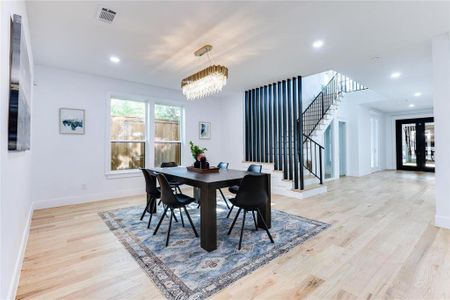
{"x": 183, "y": 270}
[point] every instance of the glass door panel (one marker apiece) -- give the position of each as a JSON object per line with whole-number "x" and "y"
{"x": 415, "y": 144}
{"x": 409, "y": 145}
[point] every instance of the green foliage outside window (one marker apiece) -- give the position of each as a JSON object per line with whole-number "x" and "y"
{"x": 166, "y": 112}
{"x": 121, "y": 108}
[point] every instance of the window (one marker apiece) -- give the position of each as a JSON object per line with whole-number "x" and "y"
{"x": 127, "y": 134}
{"x": 168, "y": 122}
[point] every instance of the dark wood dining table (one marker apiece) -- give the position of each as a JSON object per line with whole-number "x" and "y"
{"x": 207, "y": 185}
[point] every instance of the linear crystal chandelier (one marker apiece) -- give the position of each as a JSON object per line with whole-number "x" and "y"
{"x": 206, "y": 82}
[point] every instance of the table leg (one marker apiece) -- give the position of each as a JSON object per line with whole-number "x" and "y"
{"x": 267, "y": 210}
{"x": 208, "y": 218}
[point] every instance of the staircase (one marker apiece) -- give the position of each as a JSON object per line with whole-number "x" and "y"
{"x": 282, "y": 136}
{"x": 317, "y": 116}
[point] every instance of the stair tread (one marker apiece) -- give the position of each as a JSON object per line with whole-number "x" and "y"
{"x": 310, "y": 187}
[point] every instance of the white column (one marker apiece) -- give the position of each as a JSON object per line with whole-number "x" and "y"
{"x": 441, "y": 103}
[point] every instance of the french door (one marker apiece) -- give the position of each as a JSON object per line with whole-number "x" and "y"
{"x": 415, "y": 144}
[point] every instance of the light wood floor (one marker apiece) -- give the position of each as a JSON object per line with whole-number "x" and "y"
{"x": 382, "y": 244}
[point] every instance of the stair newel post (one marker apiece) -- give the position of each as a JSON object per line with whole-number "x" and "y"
{"x": 320, "y": 162}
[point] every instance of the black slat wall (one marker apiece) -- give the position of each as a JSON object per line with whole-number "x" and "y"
{"x": 272, "y": 131}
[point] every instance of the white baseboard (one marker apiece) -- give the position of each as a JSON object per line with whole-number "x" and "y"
{"x": 18, "y": 265}
{"x": 442, "y": 221}
{"x": 71, "y": 200}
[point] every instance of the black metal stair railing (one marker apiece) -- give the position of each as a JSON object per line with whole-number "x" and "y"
{"x": 312, "y": 154}
{"x": 313, "y": 116}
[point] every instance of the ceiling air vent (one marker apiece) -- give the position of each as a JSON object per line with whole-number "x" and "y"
{"x": 106, "y": 15}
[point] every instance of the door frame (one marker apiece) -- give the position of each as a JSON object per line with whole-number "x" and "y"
{"x": 342, "y": 142}
{"x": 420, "y": 144}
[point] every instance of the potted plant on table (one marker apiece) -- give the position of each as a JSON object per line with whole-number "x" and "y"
{"x": 198, "y": 153}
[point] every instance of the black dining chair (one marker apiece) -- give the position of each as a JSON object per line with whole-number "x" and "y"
{"x": 173, "y": 201}
{"x": 153, "y": 193}
{"x": 251, "y": 196}
{"x": 223, "y": 165}
{"x": 173, "y": 182}
{"x": 235, "y": 188}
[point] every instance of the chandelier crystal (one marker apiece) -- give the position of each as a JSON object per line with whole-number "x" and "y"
{"x": 204, "y": 83}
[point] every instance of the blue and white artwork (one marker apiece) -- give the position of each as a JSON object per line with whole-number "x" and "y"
{"x": 204, "y": 130}
{"x": 71, "y": 121}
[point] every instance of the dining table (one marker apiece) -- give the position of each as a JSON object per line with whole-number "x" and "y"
{"x": 205, "y": 187}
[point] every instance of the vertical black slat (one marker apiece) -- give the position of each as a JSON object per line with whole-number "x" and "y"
{"x": 270, "y": 104}
{"x": 261, "y": 125}
{"x": 300, "y": 130}
{"x": 250, "y": 125}
{"x": 295, "y": 135}
{"x": 275, "y": 125}
{"x": 246, "y": 115}
{"x": 280, "y": 127}
{"x": 285, "y": 131}
{"x": 258, "y": 119}
{"x": 254, "y": 126}
{"x": 261, "y": 120}
{"x": 290, "y": 129}
{"x": 267, "y": 124}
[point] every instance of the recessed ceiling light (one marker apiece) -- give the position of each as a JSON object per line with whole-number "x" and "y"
{"x": 395, "y": 75}
{"x": 376, "y": 59}
{"x": 411, "y": 105}
{"x": 114, "y": 59}
{"x": 417, "y": 94}
{"x": 317, "y": 44}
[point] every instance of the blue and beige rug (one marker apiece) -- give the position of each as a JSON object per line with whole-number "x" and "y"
{"x": 183, "y": 270}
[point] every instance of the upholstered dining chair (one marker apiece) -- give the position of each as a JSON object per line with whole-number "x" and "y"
{"x": 235, "y": 188}
{"x": 251, "y": 196}
{"x": 173, "y": 182}
{"x": 173, "y": 201}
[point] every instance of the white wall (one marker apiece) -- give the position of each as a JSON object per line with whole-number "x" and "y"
{"x": 16, "y": 207}
{"x": 391, "y": 157}
{"x": 71, "y": 169}
{"x": 232, "y": 111}
{"x": 353, "y": 111}
{"x": 312, "y": 85}
{"x": 441, "y": 101}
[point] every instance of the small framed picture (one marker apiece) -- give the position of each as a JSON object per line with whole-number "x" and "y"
{"x": 204, "y": 130}
{"x": 71, "y": 121}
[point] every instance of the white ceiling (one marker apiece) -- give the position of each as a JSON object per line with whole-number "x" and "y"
{"x": 260, "y": 42}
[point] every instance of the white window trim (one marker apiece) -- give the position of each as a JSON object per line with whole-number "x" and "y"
{"x": 110, "y": 174}
{"x": 149, "y": 132}
{"x": 183, "y": 126}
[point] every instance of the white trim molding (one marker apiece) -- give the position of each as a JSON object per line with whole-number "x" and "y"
{"x": 88, "y": 198}
{"x": 12, "y": 289}
{"x": 442, "y": 221}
